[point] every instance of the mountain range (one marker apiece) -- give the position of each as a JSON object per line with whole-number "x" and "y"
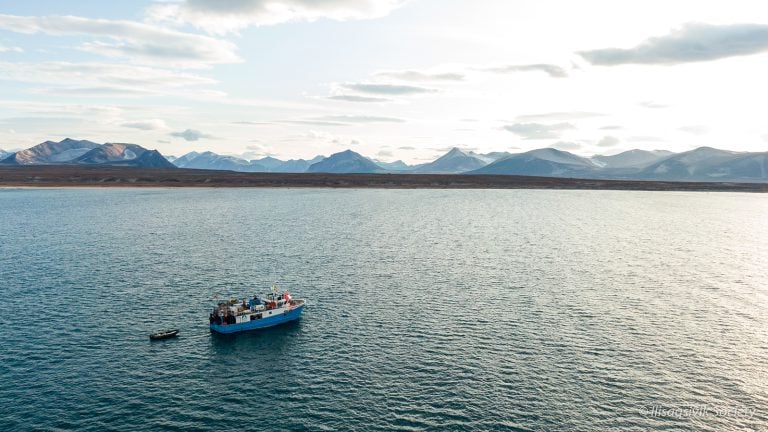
{"x": 455, "y": 161}
{"x": 346, "y": 162}
{"x": 83, "y": 152}
{"x": 213, "y": 161}
{"x": 701, "y": 164}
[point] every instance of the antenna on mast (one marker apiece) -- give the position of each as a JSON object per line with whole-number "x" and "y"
{"x": 274, "y": 273}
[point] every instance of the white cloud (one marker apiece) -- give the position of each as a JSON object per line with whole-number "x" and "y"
{"x": 645, "y": 138}
{"x": 357, "y": 98}
{"x": 387, "y": 89}
{"x": 532, "y": 131}
{"x": 221, "y": 17}
{"x": 415, "y": 75}
{"x": 312, "y": 122}
{"x": 257, "y": 151}
{"x": 343, "y": 120}
{"x": 360, "y": 119}
{"x": 695, "y": 129}
{"x": 54, "y": 108}
{"x": 122, "y": 92}
{"x": 567, "y": 145}
{"x": 553, "y": 71}
{"x": 558, "y": 116}
{"x": 653, "y": 105}
{"x": 190, "y": 135}
{"x": 694, "y": 42}
{"x": 135, "y": 41}
{"x": 152, "y": 124}
{"x": 103, "y": 79}
{"x": 4, "y": 49}
{"x": 608, "y": 141}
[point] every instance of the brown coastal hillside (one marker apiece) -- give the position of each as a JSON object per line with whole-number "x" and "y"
{"x": 116, "y": 176}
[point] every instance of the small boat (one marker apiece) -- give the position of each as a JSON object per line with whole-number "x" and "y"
{"x": 233, "y": 316}
{"x": 164, "y": 334}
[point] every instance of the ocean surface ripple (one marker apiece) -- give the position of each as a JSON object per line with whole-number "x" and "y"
{"x": 427, "y": 310}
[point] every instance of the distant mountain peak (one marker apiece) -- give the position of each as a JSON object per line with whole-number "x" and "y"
{"x": 709, "y": 164}
{"x": 454, "y": 162}
{"x": 630, "y": 159}
{"x": 397, "y": 165}
{"x": 269, "y": 159}
{"x": 544, "y": 162}
{"x": 712, "y": 150}
{"x": 454, "y": 152}
{"x": 51, "y": 152}
{"x": 346, "y": 161}
{"x": 124, "y": 154}
{"x": 73, "y": 141}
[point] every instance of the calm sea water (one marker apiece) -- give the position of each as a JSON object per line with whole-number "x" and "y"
{"x": 428, "y": 310}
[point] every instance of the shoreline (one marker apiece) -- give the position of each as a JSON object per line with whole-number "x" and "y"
{"x": 64, "y": 176}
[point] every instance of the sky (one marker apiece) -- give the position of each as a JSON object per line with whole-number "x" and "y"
{"x": 390, "y": 79}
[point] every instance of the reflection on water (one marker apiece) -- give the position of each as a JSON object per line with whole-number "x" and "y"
{"x": 272, "y": 343}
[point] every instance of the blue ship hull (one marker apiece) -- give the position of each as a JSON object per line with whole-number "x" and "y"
{"x": 266, "y": 321}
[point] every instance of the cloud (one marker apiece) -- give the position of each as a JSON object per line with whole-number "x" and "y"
{"x": 538, "y": 130}
{"x": 553, "y": 71}
{"x": 316, "y": 122}
{"x": 256, "y": 151}
{"x": 385, "y": 153}
{"x": 567, "y": 145}
{"x": 190, "y": 135}
{"x": 558, "y": 116}
{"x": 100, "y": 73}
{"x": 406, "y": 148}
{"x": 311, "y": 136}
{"x": 414, "y": 75}
{"x": 221, "y": 17}
{"x": 32, "y": 123}
{"x": 643, "y": 138}
{"x": 360, "y": 119}
{"x": 612, "y": 127}
{"x": 343, "y": 120}
{"x": 695, "y": 129}
{"x": 608, "y": 141}
{"x": 356, "y": 98}
{"x": 448, "y": 148}
{"x": 139, "y": 42}
{"x": 653, "y": 105}
{"x": 152, "y": 124}
{"x": 57, "y": 108}
{"x": 253, "y": 123}
{"x": 693, "y": 42}
{"x": 105, "y": 79}
{"x": 92, "y": 91}
{"x": 387, "y": 89}
{"x": 5, "y": 49}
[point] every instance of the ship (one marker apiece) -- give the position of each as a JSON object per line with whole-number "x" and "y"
{"x": 234, "y": 315}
